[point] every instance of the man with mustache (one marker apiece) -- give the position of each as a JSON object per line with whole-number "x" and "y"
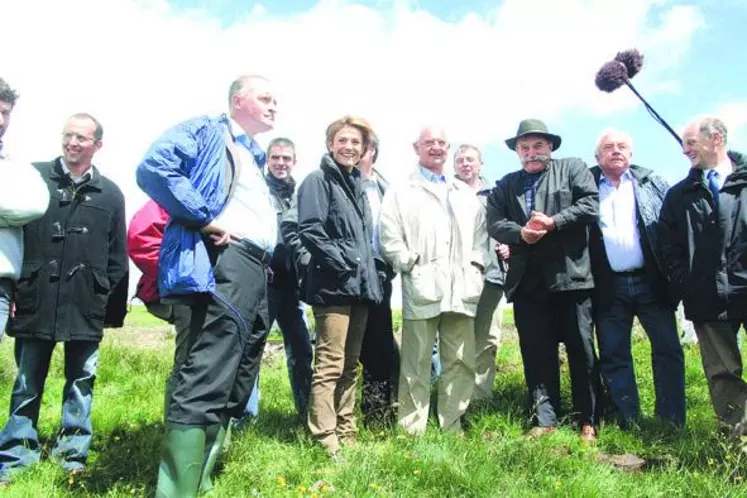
{"x": 432, "y": 231}
{"x": 544, "y": 212}
{"x": 703, "y": 230}
{"x": 207, "y": 174}
{"x": 630, "y": 281}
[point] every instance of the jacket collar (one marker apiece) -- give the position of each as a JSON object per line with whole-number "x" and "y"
{"x": 639, "y": 173}
{"x": 484, "y": 188}
{"x": 331, "y": 167}
{"x": 58, "y": 175}
{"x": 738, "y": 177}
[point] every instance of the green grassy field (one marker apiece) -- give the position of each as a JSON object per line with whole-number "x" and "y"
{"x": 274, "y": 456}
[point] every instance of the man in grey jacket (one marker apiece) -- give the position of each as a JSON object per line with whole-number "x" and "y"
{"x": 489, "y": 315}
{"x": 23, "y": 198}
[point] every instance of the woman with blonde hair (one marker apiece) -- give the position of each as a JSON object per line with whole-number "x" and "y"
{"x": 335, "y": 226}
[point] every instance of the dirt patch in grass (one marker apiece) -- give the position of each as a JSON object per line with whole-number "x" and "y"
{"x": 140, "y": 337}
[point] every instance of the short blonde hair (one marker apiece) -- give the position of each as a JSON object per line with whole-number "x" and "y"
{"x": 354, "y": 122}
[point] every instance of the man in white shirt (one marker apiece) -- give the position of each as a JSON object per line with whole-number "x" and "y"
{"x": 207, "y": 174}
{"x": 630, "y": 282}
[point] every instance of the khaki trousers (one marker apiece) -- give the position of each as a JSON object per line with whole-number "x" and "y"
{"x": 722, "y": 363}
{"x": 339, "y": 332}
{"x": 488, "y": 326}
{"x": 457, "y": 352}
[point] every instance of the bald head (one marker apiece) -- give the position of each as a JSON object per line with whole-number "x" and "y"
{"x": 432, "y": 148}
{"x": 252, "y": 103}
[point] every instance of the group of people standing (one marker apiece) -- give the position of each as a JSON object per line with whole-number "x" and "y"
{"x": 229, "y": 244}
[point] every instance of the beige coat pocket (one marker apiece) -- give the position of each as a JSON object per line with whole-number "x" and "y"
{"x": 473, "y": 283}
{"x": 422, "y": 285}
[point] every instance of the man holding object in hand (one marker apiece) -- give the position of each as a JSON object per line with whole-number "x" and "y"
{"x": 543, "y": 212}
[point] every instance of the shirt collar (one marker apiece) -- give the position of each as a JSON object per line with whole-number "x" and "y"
{"x": 247, "y": 142}
{"x": 431, "y": 176}
{"x": 78, "y": 179}
{"x": 627, "y": 176}
{"x": 724, "y": 169}
{"x": 3, "y": 155}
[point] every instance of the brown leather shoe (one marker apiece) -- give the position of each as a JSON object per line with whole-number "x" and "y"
{"x": 537, "y": 432}
{"x": 588, "y": 434}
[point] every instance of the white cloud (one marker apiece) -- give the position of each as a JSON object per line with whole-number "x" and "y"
{"x": 734, "y": 115}
{"x": 140, "y": 66}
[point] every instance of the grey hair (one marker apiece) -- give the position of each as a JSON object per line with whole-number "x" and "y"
{"x": 239, "y": 84}
{"x": 708, "y": 125}
{"x": 464, "y": 147}
{"x": 611, "y": 131}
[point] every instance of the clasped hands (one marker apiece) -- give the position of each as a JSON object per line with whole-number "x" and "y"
{"x": 537, "y": 227}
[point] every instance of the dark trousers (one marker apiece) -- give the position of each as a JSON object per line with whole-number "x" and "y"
{"x": 633, "y": 297}
{"x": 380, "y": 361}
{"x": 285, "y": 307}
{"x": 544, "y": 319}
{"x": 723, "y": 368}
{"x": 227, "y": 334}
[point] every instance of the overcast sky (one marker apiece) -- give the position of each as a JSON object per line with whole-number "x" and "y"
{"x": 478, "y": 69}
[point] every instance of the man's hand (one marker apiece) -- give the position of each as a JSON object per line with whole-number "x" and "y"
{"x": 502, "y": 251}
{"x": 219, "y": 236}
{"x": 540, "y": 221}
{"x": 531, "y": 236}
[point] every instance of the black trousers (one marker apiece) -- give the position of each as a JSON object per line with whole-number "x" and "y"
{"x": 544, "y": 319}
{"x": 228, "y": 330}
{"x": 380, "y": 361}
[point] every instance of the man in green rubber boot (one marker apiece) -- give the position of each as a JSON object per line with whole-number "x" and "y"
{"x": 207, "y": 174}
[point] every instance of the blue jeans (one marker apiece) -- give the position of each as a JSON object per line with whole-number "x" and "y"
{"x": 633, "y": 297}
{"x": 19, "y": 441}
{"x": 435, "y": 363}
{"x": 284, "y": 306}
{"x": 6, "y": 295}
{"x": 252, "y": 406}
{"x": 291, "y": 319}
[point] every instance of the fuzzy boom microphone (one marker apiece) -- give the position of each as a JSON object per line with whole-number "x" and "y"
{"x": 619, "y": 72}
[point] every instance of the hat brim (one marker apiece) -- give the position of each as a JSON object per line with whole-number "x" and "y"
{"x": 555, "y": 139}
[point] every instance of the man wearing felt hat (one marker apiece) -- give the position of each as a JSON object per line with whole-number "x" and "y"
{"x": 543, "y": 212}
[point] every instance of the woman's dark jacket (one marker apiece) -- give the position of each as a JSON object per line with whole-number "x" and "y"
{"x": 335, "y": 226}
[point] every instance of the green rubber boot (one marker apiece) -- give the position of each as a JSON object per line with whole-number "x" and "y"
{"x": 181, "y": 461}
{"x": 214, "y": 444}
